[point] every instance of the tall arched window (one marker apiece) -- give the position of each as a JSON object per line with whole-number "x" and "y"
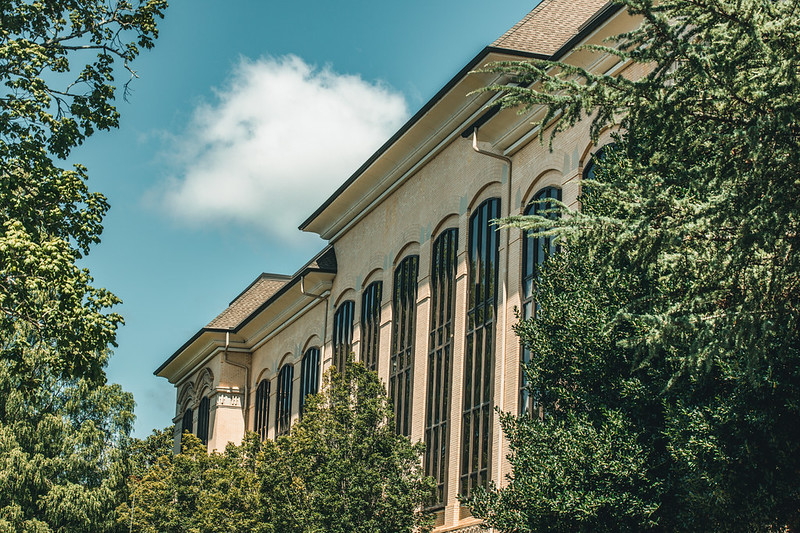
{"x": 187, "y": 422}
{"x": 440, "y": 360}
{"x": 283, "y": 401}
{"x": 203, "y": 419}
{"x": 534, "y": 252}
{"x": 262, "y": 408}
{"x": 404, "y": 315}
{"x": 371, "y": 324}
{"x": 343, "y": 334}
{"x": 476, "y": 418}
{"x": 309, "y": 375}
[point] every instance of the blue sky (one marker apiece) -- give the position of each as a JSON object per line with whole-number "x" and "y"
{"x": 242, "y": 111}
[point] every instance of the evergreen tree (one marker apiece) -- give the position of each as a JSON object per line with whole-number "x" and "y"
{"x": 62, "y": 429}
{"x": 665, "y": 347}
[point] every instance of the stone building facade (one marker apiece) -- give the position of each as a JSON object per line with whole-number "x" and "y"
{"x": 415, "y": 280}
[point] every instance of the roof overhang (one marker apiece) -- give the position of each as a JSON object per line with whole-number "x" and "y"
{"x": 457, "y": 106}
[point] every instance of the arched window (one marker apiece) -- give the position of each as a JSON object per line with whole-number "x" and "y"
{"x": 203, "y": 419}
{"x": 440, "y": 360}
{"x": 534, "y": 252}
{"x": 187, "y": 422}
{"x": 404, "y": 314}
{"x": 478, "y": 403}
{"x": 309, "y": 375}
{"x": 343, "y": 334}
{"x": 262, "y": 408}
{"x": 371, "y": 325}
{"x": 283, "y": 401}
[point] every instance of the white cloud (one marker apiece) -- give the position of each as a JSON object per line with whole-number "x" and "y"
{"x": 275, "y": 143}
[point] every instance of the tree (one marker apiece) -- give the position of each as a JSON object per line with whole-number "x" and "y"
{"x": 668, "y": 331}
{"x": 343, "y": 468}
{"x": 194, "y": 490}
{"x": 49, "y": 217}
{"x": 62, "y": 429}
{"x": 62, "y": 452}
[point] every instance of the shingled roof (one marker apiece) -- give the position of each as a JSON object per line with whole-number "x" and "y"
{"x": 249, "y": 300}
{"x": 549, "y": 26}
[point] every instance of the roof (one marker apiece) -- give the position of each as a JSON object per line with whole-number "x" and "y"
{"x": 259, "y": 295}
{"x": 549, "y": 26}
{"x": 258, "y": 292}
{"x": 550, "y": 30}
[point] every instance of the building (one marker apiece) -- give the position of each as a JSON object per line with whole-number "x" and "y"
{"x": 414, "y": 280}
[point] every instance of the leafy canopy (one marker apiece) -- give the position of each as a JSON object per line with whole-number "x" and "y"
{"x": 665, "y": 350}
{"x": 63, "y": 431}
{"x": 57, "y": 69}
{"x": 341, "y": 469}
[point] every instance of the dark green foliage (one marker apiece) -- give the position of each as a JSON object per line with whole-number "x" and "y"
{"x": 62, "y": 461}
{"x": 194, "y": 490}
{"x": 62, "y": 429}
{"x": 341, "y": 469}
{"x": 666, "y": 350}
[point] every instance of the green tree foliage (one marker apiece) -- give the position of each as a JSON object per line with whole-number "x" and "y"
{"x": 193, "y": 491}
{"x": 705, "y": 198}
{"x": 57, "y": 61}
{"x": 665, "y": 349}
{"x": 63, "y": 431}
{"x": 341, "y": 469}
{"x": 62, "y": 452}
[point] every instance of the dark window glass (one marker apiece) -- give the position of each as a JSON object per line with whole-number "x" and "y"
{"x": 186, "y": 423}
{"x": 440, "y": 361}
{"x": 478, "y": 400}
{"x": 202, "y": 420}
{"x": 343, "y": 334}
{"x": 535, "y": 250}
{"x": 371, "y": 325}
{"x": 309, "y": 375}
{"x": 404, "y": 313}
{"x": 283, "y": 401}
{"x": 262, "y": 408}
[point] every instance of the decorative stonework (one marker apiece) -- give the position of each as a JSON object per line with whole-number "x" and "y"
{"x": 228, "y": 400}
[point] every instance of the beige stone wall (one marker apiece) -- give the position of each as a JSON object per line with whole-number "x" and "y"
{"x": 442, "y": 194}
{"x": 285, "y": 346}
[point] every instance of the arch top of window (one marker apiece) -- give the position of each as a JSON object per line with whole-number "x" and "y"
{"x": 536, "y": 205}
{"x": 598, "y": 155}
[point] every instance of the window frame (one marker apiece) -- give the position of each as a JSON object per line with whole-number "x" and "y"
{"x": 371, "y": 300}
{"x": 283, "y": 400}
{"x": 444, "y": 265}
{"x": 535, "y": 250}
{"x": 261, "y": 419}
{"x": 477, "y": 411}
{"x": 343, "y": 333}
{"x": 309, "y": 375}
{"x": 401, "y": 360}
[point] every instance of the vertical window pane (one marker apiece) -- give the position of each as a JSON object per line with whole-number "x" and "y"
{"x": 404, "y": 313}
{"x": 186, "y": 423}
{"x": 535, "y": 250}
{"x": 371, "y": 325}
{"x": 283, "y": 401}
{"x": 202, "y": 420}
{"x": 343, "y": 334}
{"x": 479, "y": 357}
{"x": 437, "y": 437}
{"x": 262, "y": 408}
{"x": 309, "y": 375}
